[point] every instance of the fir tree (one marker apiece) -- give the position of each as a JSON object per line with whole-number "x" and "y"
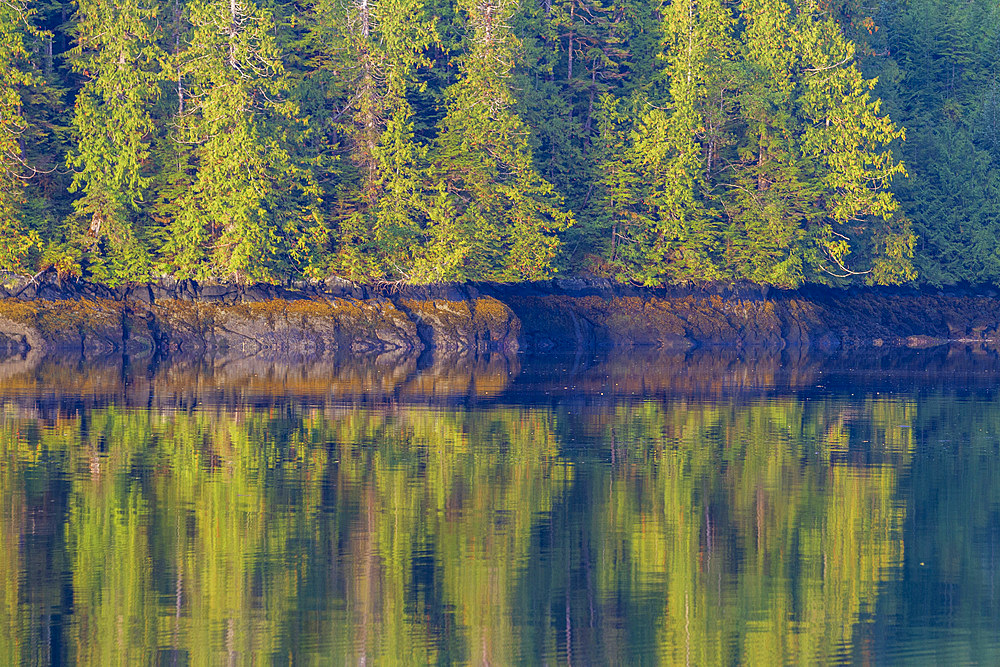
{"x": 849, "y": 139}
{"x": 381, "y": 46}
{"x": 667, "y": 232}
{"x": 772, "y": 186}
{"x": 937, "y": 71}
{"x": 814, "y": 168}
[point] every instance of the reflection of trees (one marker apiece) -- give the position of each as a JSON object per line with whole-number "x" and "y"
{"x": 227, "y": 534}
{"x": 240, "y": 382}
{"x": 14, "y": 627}
{"x": 67, "y": 384}
{"x": 948, "y": 590}
{"x": 701, "y": 532}
{"x": 743, "y": 533}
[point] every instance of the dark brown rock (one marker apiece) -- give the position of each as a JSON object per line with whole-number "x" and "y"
{"x": 571, "y": 315}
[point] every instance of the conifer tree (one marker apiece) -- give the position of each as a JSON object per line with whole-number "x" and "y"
{"x": 562, "y": 57}
{"x": 813, "y": 169}
{"x": 938, "y": 76}
{"x": 849, "y": 139}
{"x": 14, "y": 237}
{"x": 382, "y": 46}
{"x": 618, "y": 204}
{"x": 772, "y": 189}
{"x": 575, "y": 51}
{"x": 121, "y": 64}
{"x": 673, "y": 233}
{"x": 172, "y": 153}
{"x": 422, "y": 140}
{"x": 253, "y": 212}
{"x": 506, "y": 214}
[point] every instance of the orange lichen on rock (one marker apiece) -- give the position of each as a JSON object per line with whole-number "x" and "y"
{"x": 479, "y": 324}
{"x": 93, "y": 326}
{"x": 300, "y": 326}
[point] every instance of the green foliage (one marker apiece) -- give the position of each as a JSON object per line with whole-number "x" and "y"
{"x": 423, "y": 140}
{"x": 757, "y": 154}
{"x": 381, "y": 45}
{"x": 64, "y": 258}
{"x": 938, "y": 76}
{"x": 15, "y": 238}
{"x": 121, "y": 66}
{"x": 507, "y": 215}
{"x": 724, "y": 530}
{"x": 252, "y": 212}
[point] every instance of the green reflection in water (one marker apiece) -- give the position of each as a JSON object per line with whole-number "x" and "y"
{"x": 698, "y": 533}
{"x": 752, "y": 547}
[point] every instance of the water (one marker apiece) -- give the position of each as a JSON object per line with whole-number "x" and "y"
{"x": 708, "y": 508}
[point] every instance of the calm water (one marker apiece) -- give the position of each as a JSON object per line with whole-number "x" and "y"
{"x": 699, "y": 509}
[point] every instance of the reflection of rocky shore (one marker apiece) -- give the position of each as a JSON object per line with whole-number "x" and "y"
{"x": 185, "y": 318}
{"x": 184, "y": 382}
{"x": 65, "y": 383}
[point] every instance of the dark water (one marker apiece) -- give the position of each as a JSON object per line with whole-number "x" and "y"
{"x": 702, "y": 509}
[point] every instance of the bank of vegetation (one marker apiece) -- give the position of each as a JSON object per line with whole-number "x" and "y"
{"x": 652, "y": 141}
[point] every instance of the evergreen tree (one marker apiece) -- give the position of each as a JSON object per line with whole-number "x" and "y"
{"x": 173, "y": 155}
{"x": 937, "y": 69}
{"x": 575, "y": 51}
{"x": 15, "y": 240}
{"x": 654, "y": 193}
{"x": 772, "y": 188}
{"x": 618, "y": 204}
{"x": 422, "y": 140}
{"x": 48, "y": 137}
{"x": 679, "y": 238}
{"x": 122, "y": 66}
{"x": 382, "y": 46}
{"x": 814, "y": 166}
{"x": 253, "y": 213}
{"x": 849, "y": 138}
{"x": 506, "y": 215}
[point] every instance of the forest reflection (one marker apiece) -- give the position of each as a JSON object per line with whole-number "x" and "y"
{"x": 498, "y": 510}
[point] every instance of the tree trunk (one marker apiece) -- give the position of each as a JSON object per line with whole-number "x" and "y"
{"x": 593, "y": 91}
{"x": 569, "y": 66}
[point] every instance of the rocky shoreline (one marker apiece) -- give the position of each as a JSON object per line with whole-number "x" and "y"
{"x": 319, "y": 319}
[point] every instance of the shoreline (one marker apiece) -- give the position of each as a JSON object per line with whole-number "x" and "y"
{"x": 567, "y": 315}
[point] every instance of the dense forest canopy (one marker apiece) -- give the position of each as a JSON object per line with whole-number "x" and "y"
{"x": 653, "y": 141}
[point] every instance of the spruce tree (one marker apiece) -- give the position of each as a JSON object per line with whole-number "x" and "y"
{"x": 772, "y": 186}
{"x": 378, "y": 49}
{"x": 253, "y": 212}
{"x": 618, "y": 203}
{"x": 576, "y": 51}
{"x": 811, "y": 178}
{"x": 849, "y": 139}
{"x": 122, "y": 66}
{"x": 667, "y": 231}
{"x": 938, "y": 72}
{"x": 15, "y": 239}
{"x": 506, "y": 216}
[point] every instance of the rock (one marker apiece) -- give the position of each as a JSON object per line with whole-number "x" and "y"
{"x": 89, "y": 327}
{"x": 478, "y": 325}
{"x": 475, "y": 318}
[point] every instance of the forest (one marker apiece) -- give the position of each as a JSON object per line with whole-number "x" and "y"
{"x": 413, "y": 141}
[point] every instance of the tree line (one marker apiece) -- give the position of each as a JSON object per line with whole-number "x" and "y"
{"x": 428, "y": 140}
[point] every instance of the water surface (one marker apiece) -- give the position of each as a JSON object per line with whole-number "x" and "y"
{"x": 706, "y": 508}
